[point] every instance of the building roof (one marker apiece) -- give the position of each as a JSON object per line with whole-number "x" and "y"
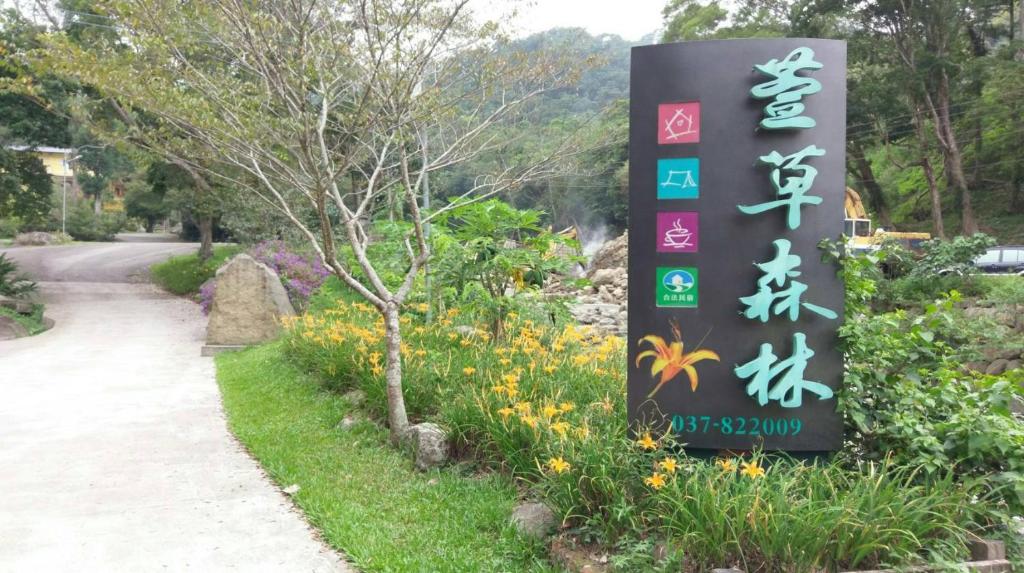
{"x": 41, "y": 148}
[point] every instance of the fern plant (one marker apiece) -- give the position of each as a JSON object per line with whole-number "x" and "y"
{"x": 12, "y": 284}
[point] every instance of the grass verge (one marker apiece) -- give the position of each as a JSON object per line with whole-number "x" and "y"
{"x": 183, "y": 275}
{"x": 365, "y": 497}
{"x": 33, "y": 323}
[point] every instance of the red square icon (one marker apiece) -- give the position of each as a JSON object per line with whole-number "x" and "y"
{"x": 679, "y": 122}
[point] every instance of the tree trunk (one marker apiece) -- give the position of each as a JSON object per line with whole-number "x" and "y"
{"x": 205, "y": 225}
{"x": 397, "y": 417}
{"x": 938, "y": 227}
{"x": 867, "y": 178}
{"x": 97, "y": 203}
{"x": 951, "y": 156}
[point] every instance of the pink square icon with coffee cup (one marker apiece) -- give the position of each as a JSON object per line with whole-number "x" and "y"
{"x": 679, "y": 122}
{"x": 677, "y": 232}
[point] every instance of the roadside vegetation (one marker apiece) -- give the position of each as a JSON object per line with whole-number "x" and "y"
{"x": 934, "y": 453}
{"x": 185, "y": 274}
{"x": 364, "y": 496}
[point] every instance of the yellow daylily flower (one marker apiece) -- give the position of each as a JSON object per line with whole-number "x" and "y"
{"x": 646, "y": 442}
{"x": 752, "y": 470}
{"x": 558, "y": 465}
{"x": 669, "y": 465}
{"x": 656, "y": 481}
{"x": 727, "y": 465}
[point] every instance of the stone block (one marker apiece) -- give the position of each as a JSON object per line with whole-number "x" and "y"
{"x": 533, "y": 519}
{"x": 248, "y": 304}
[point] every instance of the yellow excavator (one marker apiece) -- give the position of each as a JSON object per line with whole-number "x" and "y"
{"x": 858, "y": 229}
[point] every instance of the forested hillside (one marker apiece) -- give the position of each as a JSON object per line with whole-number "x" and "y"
{"x": 935, "y": 137}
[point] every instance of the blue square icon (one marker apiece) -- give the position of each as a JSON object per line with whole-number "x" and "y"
{"x": 679, "y": 178}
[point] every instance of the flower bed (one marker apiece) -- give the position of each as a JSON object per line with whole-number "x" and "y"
{"x": 548, "y": 406}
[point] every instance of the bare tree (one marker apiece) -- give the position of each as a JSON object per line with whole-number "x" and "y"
{"x": 336, "y": 109}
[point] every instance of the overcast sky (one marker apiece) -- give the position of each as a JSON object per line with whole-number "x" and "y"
{"x": 631, "y": 19}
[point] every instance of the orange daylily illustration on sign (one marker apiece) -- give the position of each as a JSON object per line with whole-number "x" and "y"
{"x": 670, "y": 360}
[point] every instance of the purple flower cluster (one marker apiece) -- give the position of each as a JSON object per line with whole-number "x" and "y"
{"x": 206, "y": 295}
{"x": 301, "y": 275}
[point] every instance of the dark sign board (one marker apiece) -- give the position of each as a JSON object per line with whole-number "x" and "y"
{"x": 737, "y": 172}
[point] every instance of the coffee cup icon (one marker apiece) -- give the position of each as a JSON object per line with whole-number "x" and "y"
{"x": 678, "y": 237}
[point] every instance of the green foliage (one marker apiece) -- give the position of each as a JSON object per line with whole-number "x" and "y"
{"x": 184, "y": 275}
{"x": 544, "y": 396}
{"x": 25, "y": 188}
{"x": 906, "y": 395}
{"x": 490, "y": 257}
{"x": 366, "y": 498}
{"x": 33, "y": 323}
{"x": 954, "y": 256}
{"x": 146, "y": 198}
{"x": 9, "y": 227}
{"x": 85, "y": 225}
{"x": 12, "y": 284}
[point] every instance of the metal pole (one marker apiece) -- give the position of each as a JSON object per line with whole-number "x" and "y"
{"x": 64, "y": 197}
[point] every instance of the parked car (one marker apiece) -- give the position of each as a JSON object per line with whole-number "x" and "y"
{"x": 1002, "y": 259}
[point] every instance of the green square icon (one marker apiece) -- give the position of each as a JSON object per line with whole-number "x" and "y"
{"x": 677, "y": 287}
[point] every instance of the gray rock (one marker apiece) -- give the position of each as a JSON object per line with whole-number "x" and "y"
{"x": 1012, "y": 365}
{"x": 602, "y": 277}
{"x": 248, "y": 304}
{"x": 18, "y": 306}
{"x": 36, "y": 238}
{"x": 430, "y": 444}
{"x": 612, "y": 254}
{"x": 356, "y": 397}
{"x": 348, "y": 422}
{"x": 465, "y": 330}
{"x": 11, "y": 329}
{"x": 997, "y": 366}
{"x": 533, "y": 519}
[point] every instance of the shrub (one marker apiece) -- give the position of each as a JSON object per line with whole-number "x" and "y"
{"x": 12, "y": 284}
{"x": 9, "y": 227}
{"x": 300, "y": 275}
{"x": 906, "y": 395}
{"x": 85, "y": 225}
{"x": 548, "y": 406}
{"x": 491, "y": 258}
{"x": 186, "y": 274}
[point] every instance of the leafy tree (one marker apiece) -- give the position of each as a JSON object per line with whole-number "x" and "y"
{"x": 343, "y": 107}
{"x": 25, "y": 188}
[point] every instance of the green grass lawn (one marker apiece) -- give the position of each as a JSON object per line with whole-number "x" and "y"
{"x": 33, "y": 323}
{"x": 183, "y": 275}
{"x": 365, "y": 497}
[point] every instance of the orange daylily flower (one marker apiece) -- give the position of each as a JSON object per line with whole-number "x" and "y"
{"x": 670, "y": 360}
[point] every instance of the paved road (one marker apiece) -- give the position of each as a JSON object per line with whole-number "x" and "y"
{"x": 114, "y": 453}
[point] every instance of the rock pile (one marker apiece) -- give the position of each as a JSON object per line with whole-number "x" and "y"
{"x": 603, "y": 303}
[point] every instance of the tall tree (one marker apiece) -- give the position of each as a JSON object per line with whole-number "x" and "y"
{"x": 341, "y": 107}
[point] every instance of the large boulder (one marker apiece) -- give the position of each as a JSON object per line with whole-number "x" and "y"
{"x": 248, "y": 304}
{"x": 533, "y": 519}
{"x": 611, "y": 255}
{"x": 430, "y": 443}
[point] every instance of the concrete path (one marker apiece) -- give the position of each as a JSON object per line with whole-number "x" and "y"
{"x": 114, "y": 452}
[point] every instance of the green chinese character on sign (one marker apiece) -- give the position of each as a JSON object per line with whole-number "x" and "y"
{"x": 779, "y": 271}
{"x": 787, "y": 89}
{"x": 790, "y": 386}
{"x": 791, "y": 180}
